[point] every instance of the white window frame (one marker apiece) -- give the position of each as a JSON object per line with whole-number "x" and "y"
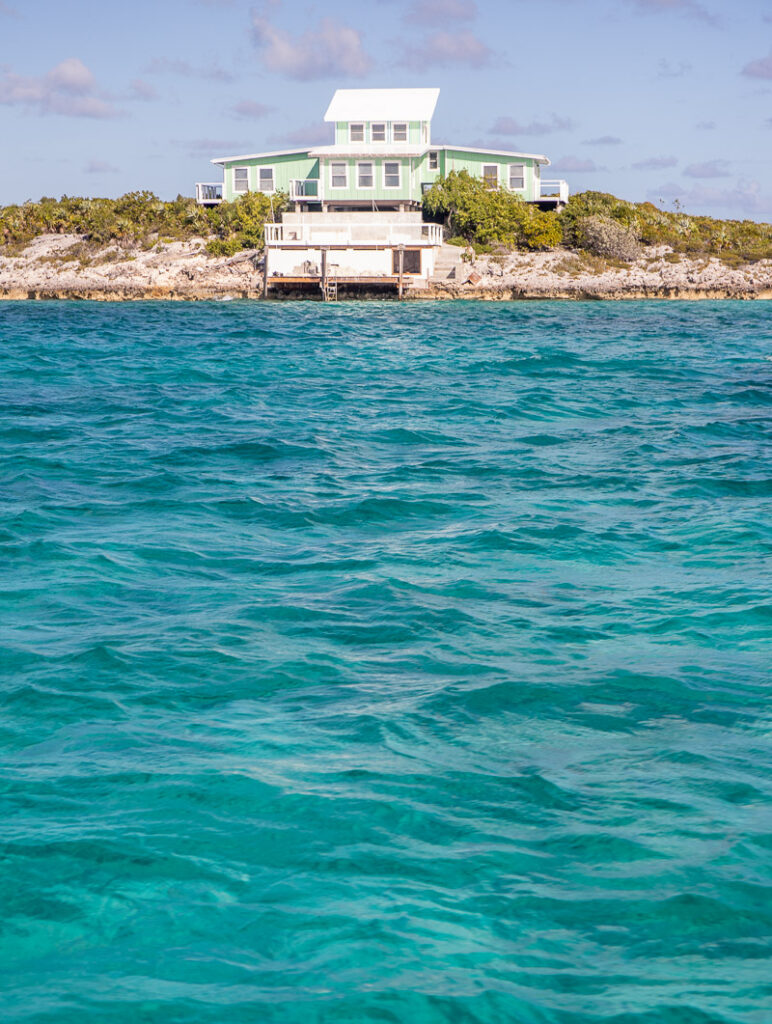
{"x": 398, "y": 165}
{"x": 434, "y": 160}
{"x": 344, "y": 165}
{"x": 272, "y": 189}
{"x": 379, "y": 124}
{"x": 240, "y": 191}
{"x": 371, "y": 165}
{"x": 521, "y": 175}
{"x": 396, "y": 129}
{"x": 485, "y": 176}
{"x": 357, "y": 125}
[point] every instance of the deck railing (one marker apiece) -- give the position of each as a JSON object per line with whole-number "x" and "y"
{"x": 305, "y": 188}
{"x": 555, "y": 189}
{"x": 208, "y": 192}
{"x": 372, "y": 233}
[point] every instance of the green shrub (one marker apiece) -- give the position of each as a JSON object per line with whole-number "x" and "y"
{"x": 141, "y": 218}
{"x": 482, "y": 215}
{"x": 733, "y": 241}
{"x": 603, "y": 236}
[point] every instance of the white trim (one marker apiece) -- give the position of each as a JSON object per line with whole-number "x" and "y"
{"x": 352, "y": 126}
{"x": 339, "y": 187}
{"x": 272, "y": 169}
{"x": 510, "y": 186}
{"x": 256, "y": 156}
{"x": 366, "y": 163}
{"x": 241, "y": 191}
{"x": 399, "y": 173}
{"x": 538, "y": 157}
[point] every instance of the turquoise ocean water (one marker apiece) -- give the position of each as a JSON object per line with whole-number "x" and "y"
{"x": 386, "y": 663}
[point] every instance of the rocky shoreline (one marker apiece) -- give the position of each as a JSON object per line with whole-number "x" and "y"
{"x": 66, "y": 267}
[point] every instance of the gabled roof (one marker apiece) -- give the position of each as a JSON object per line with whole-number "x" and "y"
{"x": 257, "y": 156}
{"x": 538, "y": 157}
{"x": 382, "y": 105}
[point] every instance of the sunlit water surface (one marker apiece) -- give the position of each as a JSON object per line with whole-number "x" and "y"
{"x": 386, "y": 663}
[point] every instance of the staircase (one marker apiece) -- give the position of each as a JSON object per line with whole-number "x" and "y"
{"x": 448, "y": 265}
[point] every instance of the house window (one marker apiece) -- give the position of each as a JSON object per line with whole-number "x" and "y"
{"x": 517, "y": 176}
{"x": 491, "y": 175}
{"x": 265, "y": 179}
{"x": 391, "y": 174}
{"x": 356, "y": 133}
{"x": 241, "y": 179}
{"x": 411, "y": 261}
{"x": 399, "y": 132}
{"x": 365, "y": 178}
{"x": 378, "y": 133}
{"x": 434, "y": 161}
{"x": 338, "y": 175}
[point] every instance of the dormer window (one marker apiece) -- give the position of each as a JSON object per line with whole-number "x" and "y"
{"x": 356, "y": 133}
{"x": 399, "y": 132}
{"x": 378, "y": 133}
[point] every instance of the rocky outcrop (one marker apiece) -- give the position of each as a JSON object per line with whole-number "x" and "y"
{"x": 65, "y": 267}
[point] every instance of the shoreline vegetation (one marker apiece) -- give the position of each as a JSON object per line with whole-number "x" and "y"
{"x": 598, "y": 246}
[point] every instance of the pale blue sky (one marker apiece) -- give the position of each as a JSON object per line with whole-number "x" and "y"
{"x": 657, "y": 99}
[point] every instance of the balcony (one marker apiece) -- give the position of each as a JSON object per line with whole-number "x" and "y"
{"x": 208, "y": 193}
{"x": 305, "y": 189}
{"x": 554, "y": 191}
{"x": 364, "y": 233}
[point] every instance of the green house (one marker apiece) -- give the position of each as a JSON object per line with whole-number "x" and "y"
{"x": 381, "y": 158}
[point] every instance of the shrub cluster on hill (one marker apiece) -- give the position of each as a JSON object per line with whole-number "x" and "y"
{"x": 594, "y": 222}
{"x": 141, "y": 218}
{"x": 472, "y": 212}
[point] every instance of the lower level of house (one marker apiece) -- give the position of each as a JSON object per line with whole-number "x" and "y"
{"x": 350, "y": 247}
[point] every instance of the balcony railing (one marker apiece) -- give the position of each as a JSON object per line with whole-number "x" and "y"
{"x": 305, "y": 188}
{"x": 372, "y": 233}
{"x": 556, "y": 189}
{"x": 208, "y": 193}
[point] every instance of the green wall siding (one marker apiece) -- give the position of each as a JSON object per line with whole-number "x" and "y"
{"x": 378, "y": 192}
{"x": 293, "y": 165}
{"x": 301, "y": 165}
{"x": 462, "y": 160}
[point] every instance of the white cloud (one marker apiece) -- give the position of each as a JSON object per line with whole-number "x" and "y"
{"x": 142, "y": 90}
{"x": 575, "y": 164}
{"x": 69, "y": 90}
{"x": 174, "y": 66}
{"x": 666, "y": 69}
{"x": 746, "y": 198}
{"x": 438, "y": 12}
{"x": 250, "y": 110}
{"x": 315, "y": 134}
{"x": 448, "y": 49}
{"x": 689, "y": 7}
{"x": 509, "y": 126}
{"x": 710, "y": 169}
{"x": 212, "y": 147}
{"x": 761, "y": 68}
{"x": 603, "y": 140}
{"x": 99, "y": 167}
{"x": 328, "y": 51}
{"x": 655, "y": 163}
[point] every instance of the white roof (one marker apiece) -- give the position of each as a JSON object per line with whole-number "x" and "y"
{"x": 382, "y": 105}
{"x": 256, "y": 156}
{"x": 538, "y": 157}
